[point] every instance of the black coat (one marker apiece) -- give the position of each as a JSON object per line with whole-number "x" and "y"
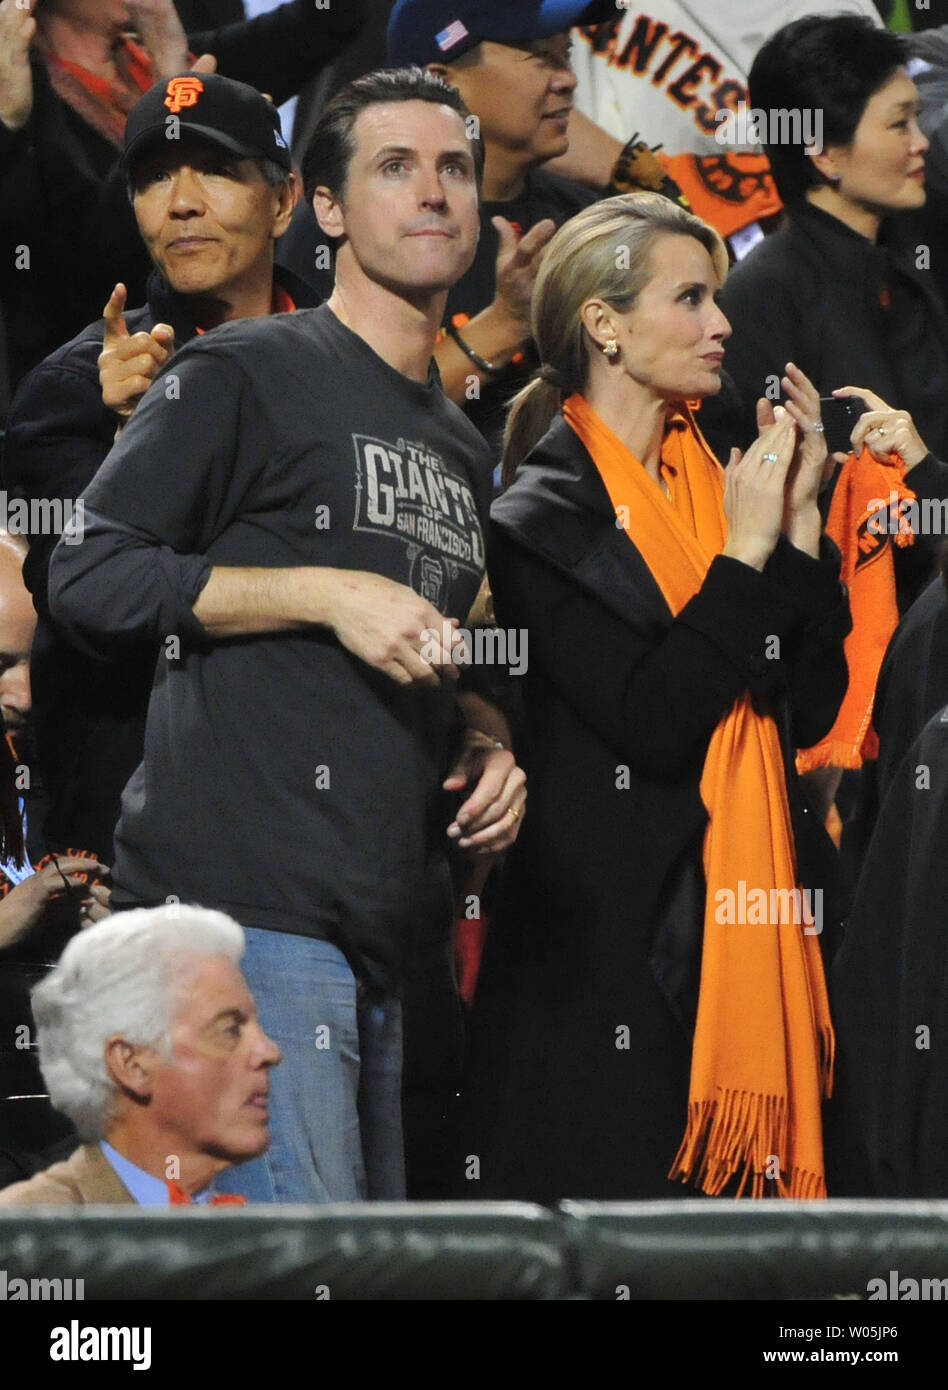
{"x": 88, "y": 715}
{"x": 890, "y": 991}
{"x": 602, "y": 920}
{"x": 63, "y": 195}
{"x": 891, "y": 974}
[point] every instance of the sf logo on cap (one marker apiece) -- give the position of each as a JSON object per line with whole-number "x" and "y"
{"x": 182, "y": 92}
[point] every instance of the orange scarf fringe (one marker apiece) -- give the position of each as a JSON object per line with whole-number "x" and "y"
{"x": 762, "y": 1057}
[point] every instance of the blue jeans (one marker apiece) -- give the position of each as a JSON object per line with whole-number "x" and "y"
{"x": 335, "y": 1099}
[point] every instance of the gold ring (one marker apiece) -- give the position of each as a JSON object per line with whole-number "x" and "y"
{"x": 512, "y": 810}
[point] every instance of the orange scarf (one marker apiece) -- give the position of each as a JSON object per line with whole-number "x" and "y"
{"x": 869, "y": 573}
{"x": 101, "y": 103}
{"x": 763, "y": 1048}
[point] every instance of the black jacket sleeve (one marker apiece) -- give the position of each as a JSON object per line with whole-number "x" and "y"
{"x": 656, "y": 702}
{"x": 916, "y": 564}
{"x": 58, "y": 434}
{"x": 180, "y": 472}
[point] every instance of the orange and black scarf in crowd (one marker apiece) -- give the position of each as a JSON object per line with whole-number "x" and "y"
{"x": 865, "y": 520}
{"x": 762, "y": 1056}
{"x": 102, "y": 104}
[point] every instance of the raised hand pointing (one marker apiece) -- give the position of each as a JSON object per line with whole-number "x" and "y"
{"x": 128, "y": 361}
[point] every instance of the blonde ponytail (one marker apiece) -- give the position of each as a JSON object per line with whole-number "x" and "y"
{"x": 531, "y": 412}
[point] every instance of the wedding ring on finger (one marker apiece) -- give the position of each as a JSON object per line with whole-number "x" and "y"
{"x": 770, "y": 458}
{"x": 818, "y": 426}
{"x": 881, "y": 431}
{"x": 512, "y": 811}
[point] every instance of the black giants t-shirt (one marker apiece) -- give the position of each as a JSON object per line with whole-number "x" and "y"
{"x": 284, "y": 780}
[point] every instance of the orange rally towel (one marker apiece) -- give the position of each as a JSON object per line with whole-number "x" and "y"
{"x": 728, "y": 190}
{"x": 865, "y": 489}
{"x": 763, "y": 1048}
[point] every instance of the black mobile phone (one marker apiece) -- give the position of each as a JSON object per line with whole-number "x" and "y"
{"x": 839, "y": 414}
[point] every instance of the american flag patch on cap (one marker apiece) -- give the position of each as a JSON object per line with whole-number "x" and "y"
{"x": 452, "y": 35}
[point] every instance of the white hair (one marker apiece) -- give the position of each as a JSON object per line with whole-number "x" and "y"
{"x": 119, "y": 977}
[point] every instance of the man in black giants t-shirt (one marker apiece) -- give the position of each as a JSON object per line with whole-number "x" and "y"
{"x": 296, "y": 513}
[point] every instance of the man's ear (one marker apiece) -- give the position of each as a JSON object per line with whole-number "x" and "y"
{"x": 288, "y": 195}
{"x": 130, "y": 1067}
{"x": 329, "y": 213}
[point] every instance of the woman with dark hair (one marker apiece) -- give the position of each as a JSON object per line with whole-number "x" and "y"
{"x": 637, "y": 1022}
{"x": 842, "y": 289}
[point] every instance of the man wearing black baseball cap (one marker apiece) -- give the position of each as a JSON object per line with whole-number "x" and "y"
{"x": 212, "y": 187}
{"x": 230, "y": 115}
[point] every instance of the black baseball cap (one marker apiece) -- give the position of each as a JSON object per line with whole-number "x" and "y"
{"x": 437, "y": 31}
{"x": 227, "y": 113}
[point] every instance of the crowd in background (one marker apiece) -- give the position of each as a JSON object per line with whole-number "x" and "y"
{"x": 304, "y": 409}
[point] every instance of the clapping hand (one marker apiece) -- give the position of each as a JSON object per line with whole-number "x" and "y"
{"x": 162, "y": 35}
{"x": 755, "y": 487}
{"x": 811, "y": 466}
{"x": 17, "y": 27}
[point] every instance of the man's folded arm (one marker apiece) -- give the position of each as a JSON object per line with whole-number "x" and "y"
{"x": 240, "y": 601}
{"x": 117, "y": 586}
{"x": 134, "y": 560}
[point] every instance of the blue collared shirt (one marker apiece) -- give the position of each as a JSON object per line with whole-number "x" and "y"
{"x": 147, "y": 1190}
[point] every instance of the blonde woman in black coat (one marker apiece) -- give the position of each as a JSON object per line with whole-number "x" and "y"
{"x": 595, "y": 976}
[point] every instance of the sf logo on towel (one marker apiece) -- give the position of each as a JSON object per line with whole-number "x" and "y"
{"x": 871, "y": 541}
{"x": 182, "y": 92}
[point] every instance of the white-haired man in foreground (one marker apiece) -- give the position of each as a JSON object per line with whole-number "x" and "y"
{"x": 149, "y": 1042}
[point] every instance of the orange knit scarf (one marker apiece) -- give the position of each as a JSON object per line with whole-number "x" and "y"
{"x": 763, "y": 1047}
{"x": 865, "y": 515}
